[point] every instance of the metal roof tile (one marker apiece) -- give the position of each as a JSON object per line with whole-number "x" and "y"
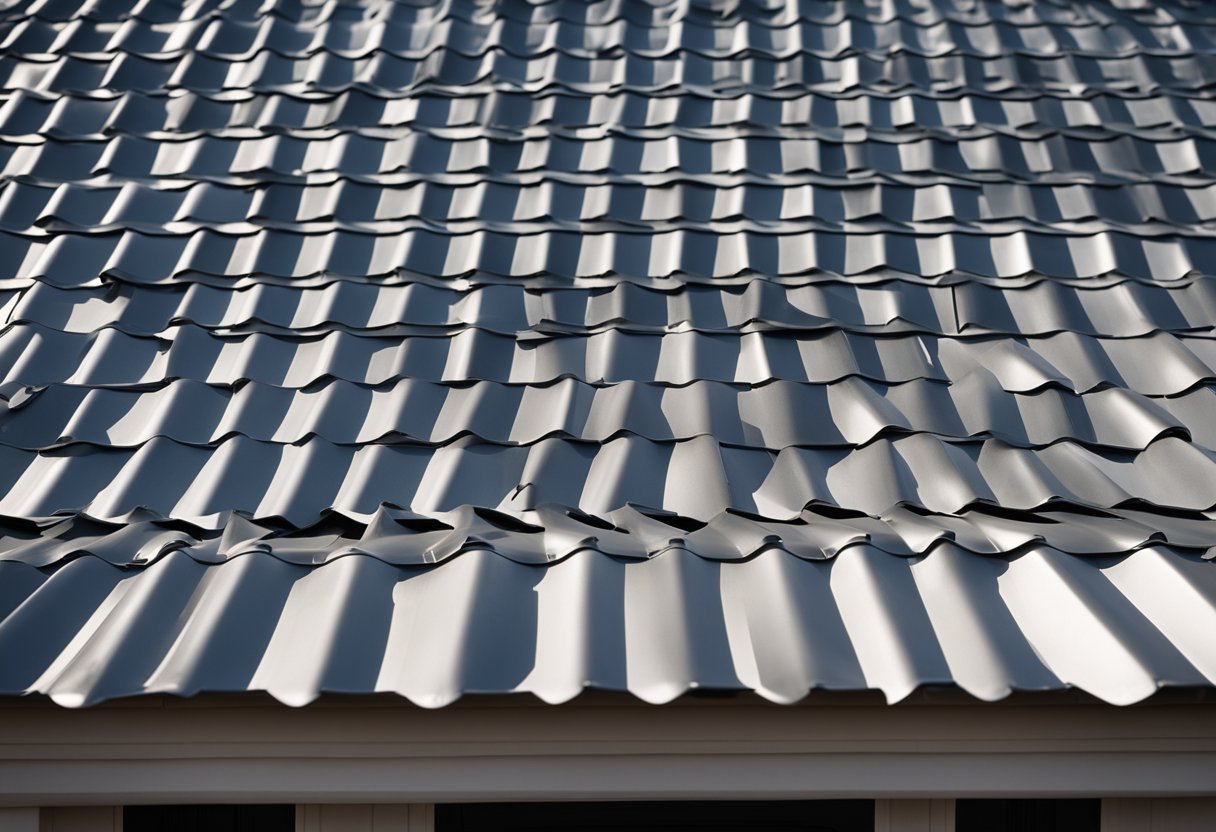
{"x": 439, "y": 349}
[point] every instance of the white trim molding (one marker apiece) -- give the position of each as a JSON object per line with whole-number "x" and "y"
{"x": 416, "y": 817}
{"x": 1196, "y": 814}
{"x": 914, "y": 815}
{"x": 81, "y": 819}
{"x": 373, "y": 750}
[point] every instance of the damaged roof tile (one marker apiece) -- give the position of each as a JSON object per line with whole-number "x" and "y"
{"x": 642, "y": 346}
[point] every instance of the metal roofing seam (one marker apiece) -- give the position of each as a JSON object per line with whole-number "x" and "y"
{"x": 553, "y": 532}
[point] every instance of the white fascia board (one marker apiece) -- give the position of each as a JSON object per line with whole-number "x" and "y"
{"x": 371, "y": 750}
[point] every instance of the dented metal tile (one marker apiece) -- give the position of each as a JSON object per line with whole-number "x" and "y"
{"x": 437, "y": 348}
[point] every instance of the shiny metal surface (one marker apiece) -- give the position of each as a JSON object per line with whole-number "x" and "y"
{"x": 450, "y": 347}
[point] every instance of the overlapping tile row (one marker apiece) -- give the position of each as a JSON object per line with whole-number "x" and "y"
{"x": 1125, "y": 310}
{"x": 552, "y": 532}
{"x": 359, "y": 206}
{"x": 1058, "y": 157}
{"x": 776, "y": 624}
{"x": 177, "y": 40}
{"x": 850, "y": 412}
{"x": 1161, "y": 364}
{"x": 97, "y": 114}
{"x": 1071, "y": 210}
{"x": 297, "y": 483}
{"x": 692, "y": 255}
{"x": 443, "y": 69}
{"x": 858, "y": 31}
{"x": 634, "y": 345}
{"x": 607, "y": 11}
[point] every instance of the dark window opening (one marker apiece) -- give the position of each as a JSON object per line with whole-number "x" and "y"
{"x": 209, "y": 818}
{"x": 719, "y": 816}
{"x": 1027, "y": 815}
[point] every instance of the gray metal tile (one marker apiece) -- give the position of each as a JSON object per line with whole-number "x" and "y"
{"x": 635, "y": 346}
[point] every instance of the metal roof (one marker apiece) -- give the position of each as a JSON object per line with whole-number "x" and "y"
{"x": 452, "y": 347}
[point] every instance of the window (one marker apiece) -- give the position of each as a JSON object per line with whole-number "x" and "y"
{"x": 726, "y": 816}
{"x": 209, "y": 819}
{"x": 1027, "y": 815}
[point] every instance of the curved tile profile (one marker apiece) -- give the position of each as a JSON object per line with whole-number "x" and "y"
{"x": 673, "y": 31}
{"x": 641, "y": 346}
{"x": 189, "y": 113}
{"x": 298, "y": 483}
{"x": 551, "y": 532}
{"x": 1007, "y": 71}
{"x": 70, "y": 260}
{"x": 776, "y": 624}
{"x": 554, "y": 202}
{"x": 1125, "y": 309}
{"x": 1162, "y": 364}
{"x": 781, "y": 414}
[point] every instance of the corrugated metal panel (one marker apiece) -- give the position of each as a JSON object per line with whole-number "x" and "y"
{"x": 775, "y": 623}
{"x": 450, "y": 347}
